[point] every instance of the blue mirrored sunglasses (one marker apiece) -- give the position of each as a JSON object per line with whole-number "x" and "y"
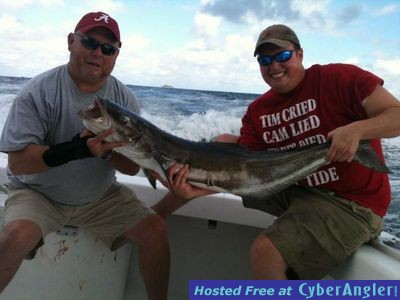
{"x": 92, "y": 44}
{"x": 266, "y": 60}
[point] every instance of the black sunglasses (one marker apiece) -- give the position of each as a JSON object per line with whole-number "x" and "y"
{"x": 92, "y": 44}
{"x": 266, "y": 60}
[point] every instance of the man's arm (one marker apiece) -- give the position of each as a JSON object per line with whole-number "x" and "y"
{"x": 383, "y": 111}
{"x": 39, "y": 158}
{"x": 28, "y": 160}
{"x": 168, "y": 204}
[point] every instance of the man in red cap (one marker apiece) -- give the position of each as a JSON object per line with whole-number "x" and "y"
{"x": 99, "y": 19}
{"x": 328, "y": 215}
{"x": 59, "y": 173}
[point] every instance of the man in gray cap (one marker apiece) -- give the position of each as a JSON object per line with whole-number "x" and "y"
{"x": 59, "y": 174}
{"x": 329, "y": 214}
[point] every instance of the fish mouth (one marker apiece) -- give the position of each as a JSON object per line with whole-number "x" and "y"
{"x": 96, "y": 114}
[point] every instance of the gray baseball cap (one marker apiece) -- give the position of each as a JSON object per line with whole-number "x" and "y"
{"x": 278, "y": 34}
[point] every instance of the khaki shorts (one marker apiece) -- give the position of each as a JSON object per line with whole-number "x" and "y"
{"x": 107, "y": 219}
{"x": 316, "y": 229}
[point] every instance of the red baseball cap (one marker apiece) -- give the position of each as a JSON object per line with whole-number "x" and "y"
{"x": 98, "y": 19}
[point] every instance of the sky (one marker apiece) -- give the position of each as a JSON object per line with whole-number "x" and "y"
{"x": 206, "y": 44}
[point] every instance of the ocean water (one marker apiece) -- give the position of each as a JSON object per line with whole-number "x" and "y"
{"x": 201, "y": 115}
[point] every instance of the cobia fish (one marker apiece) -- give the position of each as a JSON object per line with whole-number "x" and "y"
{"x": 221, "y": 167}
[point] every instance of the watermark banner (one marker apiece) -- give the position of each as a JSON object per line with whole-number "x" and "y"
{"x": 299, "y": 290}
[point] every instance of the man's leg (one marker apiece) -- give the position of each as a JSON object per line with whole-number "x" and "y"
{"x": 120, "y": 215}
{"x": 153, "y": 252}
{"x": 266, "y": 261}
{"x": 168, "y": 204}
{"x": 16, "y": 240}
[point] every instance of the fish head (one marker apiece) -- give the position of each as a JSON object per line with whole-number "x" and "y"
{"x": 95, "y": 117}
{"x": 104, "y": 114}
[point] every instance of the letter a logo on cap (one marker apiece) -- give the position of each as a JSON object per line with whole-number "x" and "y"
{"x": 102, "y": 17}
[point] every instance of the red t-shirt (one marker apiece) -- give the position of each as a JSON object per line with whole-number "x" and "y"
{"x": 328, "y": 97}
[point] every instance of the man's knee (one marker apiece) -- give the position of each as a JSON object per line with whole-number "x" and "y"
{"x": 264, "y": 249}
{"x": 261, "y": 246}
{"x": 266, "y": 260}
{"x": 150, "y": 228}
{"x": 20, "y": 236}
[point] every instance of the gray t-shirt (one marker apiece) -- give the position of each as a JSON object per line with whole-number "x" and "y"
{"x": 45, "y": 112}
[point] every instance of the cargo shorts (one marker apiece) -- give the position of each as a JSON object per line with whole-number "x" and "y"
{"x": 315, "y": 229}
{"x": 107, "y": 218}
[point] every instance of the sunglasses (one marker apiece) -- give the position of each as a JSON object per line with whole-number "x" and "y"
{"x": 92, "y": 44}
{"x": 266, "y": 60}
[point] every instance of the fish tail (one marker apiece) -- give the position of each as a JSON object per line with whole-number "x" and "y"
{"x": 367, "y": 157}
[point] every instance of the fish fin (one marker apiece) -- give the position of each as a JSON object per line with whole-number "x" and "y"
{"x": 367, "y": 157}
{"x": 150, "y": 178}
{"x": 159, "y": 158}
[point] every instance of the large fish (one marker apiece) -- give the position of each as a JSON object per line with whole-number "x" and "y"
{"x": 221, "y": 167}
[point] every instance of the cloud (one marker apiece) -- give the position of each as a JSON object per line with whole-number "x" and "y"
{"x": 6, "y": 5}
{"x": 206, "y": 25}
{"x": 9, "y": 24}
{"x": 217, "y": 59}
{"x": 130, "y": 59}
{"x": 391, "y": 66}
{"x": 236, "y": 11}
{"x": 49, "y": 49}
{"x": 307, "y": 8}
{"x": 389, "y": 70}
{"x": 321, "y": 14}
{"x": 211, "y": 61}
{"x": 216, "y": 56}
{"x": 108, "y": 6}
{"x": 349, "y": 14}
{"x": 312, "y": 13}
{"x": 352, "y": 60}
{"x": 387, "y": 10}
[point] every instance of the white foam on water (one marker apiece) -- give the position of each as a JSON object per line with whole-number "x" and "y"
{"x": 198, "y": 126}
{"x": 393, "y": 142}
{"x": 5, "y": 104}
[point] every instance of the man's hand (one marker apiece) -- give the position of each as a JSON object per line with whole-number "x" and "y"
{"x": 177, "y": 183}
{"x": 180, "y": 191}
{"x": 98, "y": 145}
{"x": 344, "y": 143}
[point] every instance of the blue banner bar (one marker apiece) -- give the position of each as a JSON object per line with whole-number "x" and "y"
{"x": 301, "y": 289}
